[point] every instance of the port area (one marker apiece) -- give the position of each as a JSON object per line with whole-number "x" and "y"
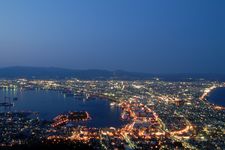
{"x": 143, "y": 126}
{"x": 70, "y": 118}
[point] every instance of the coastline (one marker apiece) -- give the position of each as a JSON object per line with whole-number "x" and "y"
{"x": 207, "y": 92}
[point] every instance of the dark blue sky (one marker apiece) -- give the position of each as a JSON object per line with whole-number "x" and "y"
{"x": 156, "y": 36}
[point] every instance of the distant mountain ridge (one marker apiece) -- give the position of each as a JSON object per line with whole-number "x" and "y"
{"x": 95, "y": 74}
{"x": 61, "y": 73}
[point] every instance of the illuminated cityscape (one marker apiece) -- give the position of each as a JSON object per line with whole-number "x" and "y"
{"x": 112, "y": 74}
{"x": 157, "y": 115}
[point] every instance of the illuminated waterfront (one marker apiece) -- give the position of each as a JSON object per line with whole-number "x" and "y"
{"x": 156, "y": 114}
{"x": 217, "y": 97}
{"x": 52, "y": 103}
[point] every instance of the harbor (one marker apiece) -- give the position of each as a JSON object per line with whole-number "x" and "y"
{"x": 53, "y": 103}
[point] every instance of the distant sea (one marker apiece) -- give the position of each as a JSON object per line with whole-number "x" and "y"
{"x": 217, "y": 97}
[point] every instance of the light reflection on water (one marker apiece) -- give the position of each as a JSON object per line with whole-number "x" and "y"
{"x": 51, "y": 103}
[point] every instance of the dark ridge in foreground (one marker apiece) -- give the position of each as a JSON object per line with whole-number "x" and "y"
{"x": 58, "y": 146}
{"x": 94, "y": 74}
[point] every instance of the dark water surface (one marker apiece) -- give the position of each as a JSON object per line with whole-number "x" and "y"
{"x": 52, "y": 103}
{"x": 217, "y": 97}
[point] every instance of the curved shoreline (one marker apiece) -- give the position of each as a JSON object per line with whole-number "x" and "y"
{"x": 213, "y": 101}
{"x": 210, "y": 98}
{"x": 207, "y": 92}
{"x": 71, "y": 104}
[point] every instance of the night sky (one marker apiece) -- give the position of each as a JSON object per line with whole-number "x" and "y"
{"x": 154, "y": 36}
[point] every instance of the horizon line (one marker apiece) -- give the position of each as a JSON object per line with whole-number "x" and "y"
{"x": 114, "y": 70}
